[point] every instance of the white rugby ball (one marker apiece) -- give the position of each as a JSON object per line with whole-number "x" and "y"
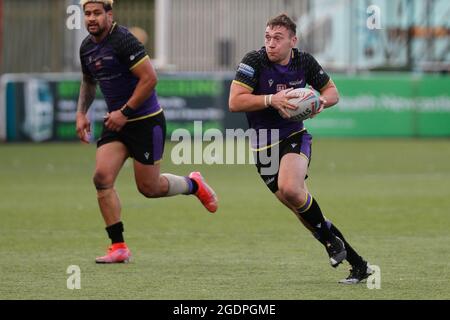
{"x": 307, "y": 101}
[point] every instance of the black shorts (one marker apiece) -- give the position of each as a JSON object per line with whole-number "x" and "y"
{"x": 143, "y": 138}
{"x": 299, "y": 143}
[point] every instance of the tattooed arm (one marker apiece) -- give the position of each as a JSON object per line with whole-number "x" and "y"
{"x": 87, "y": 96}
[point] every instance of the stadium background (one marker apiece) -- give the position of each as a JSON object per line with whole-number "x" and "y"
{"x": 380, "y": 165}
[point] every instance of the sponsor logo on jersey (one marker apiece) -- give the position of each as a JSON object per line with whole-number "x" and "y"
{"x": 281, "y": 87}
{"x": 296, "y": 82}
{"x": 246, "y": 70}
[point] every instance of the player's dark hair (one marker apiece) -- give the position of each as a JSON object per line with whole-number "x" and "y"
{"x": 284, "y": 21}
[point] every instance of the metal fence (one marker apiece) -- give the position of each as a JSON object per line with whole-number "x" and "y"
{"x": 35, "y": 37}
{"x": 213, "y": 35}
{"x": 32, "y": 35}
{"x": 203, "y": 35}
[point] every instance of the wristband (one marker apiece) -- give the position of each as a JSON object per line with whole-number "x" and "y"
{"x": 127, "y": 111}
{"x": 270, "y": 99}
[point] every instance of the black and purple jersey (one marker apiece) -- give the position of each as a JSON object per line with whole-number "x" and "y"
{"x": 262, "y": 77}
{"x": 110, "y": 63}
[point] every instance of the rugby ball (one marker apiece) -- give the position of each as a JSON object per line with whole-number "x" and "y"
{"x": 307, "y": 101}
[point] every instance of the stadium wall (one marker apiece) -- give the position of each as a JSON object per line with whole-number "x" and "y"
{"x": 214, "y": 35}
{"x": 42, "y": 107}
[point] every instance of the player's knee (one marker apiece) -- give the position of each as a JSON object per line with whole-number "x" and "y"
{"x": 102, "y": 180}
{"x": 149, "y": 190}
{"x": 293, "y": 195}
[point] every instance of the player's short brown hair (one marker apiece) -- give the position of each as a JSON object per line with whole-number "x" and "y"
{"x": 107, "y": 4}
{"x": 284, "y": 21}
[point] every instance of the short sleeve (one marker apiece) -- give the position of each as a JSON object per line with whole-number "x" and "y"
{"x": 85, "y": 69}
{"x": 315, "y": 75}
{"x": 247, "y": 72}
{"x": 83, "y": 62}
{"x": 130, "y": 51}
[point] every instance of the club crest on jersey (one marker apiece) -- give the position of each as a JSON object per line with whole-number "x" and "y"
{"x": 281, "y": 87}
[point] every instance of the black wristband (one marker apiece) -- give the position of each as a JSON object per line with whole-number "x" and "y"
{"x": 127, "y": 111}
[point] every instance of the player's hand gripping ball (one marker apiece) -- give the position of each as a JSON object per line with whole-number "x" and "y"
{"x": 307, "y": 101}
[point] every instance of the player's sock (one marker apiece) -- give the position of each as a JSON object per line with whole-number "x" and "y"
{"x": 115, "y": 232}
{"x": 180, "y": 185}
{"x": 194, "y": 186}
{"x": 311, "y": 213}
{"x": 352, "y": 256}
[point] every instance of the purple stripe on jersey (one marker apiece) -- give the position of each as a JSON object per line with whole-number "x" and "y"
{"x": 270, "y": 78}
{"x": 270, "y": 119}
{"x": 109, "y": 63}
{"x": 272, "y": 81}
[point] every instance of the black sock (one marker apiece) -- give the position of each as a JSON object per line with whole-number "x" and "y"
{"x": 115, "y": 232}
{"x": 194, "y": 186}
{"x": 352, "y": 256}
{"x": 311, "y": 213}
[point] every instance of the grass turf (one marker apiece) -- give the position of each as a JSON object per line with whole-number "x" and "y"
{"x": 390, "y": 198}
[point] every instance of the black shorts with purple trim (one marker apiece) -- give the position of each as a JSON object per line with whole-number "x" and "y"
{"x": 299, "y": 143}
{"x": 144, "y": 138}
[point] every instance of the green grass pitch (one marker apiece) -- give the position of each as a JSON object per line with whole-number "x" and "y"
{"x": 391, "y": 199}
